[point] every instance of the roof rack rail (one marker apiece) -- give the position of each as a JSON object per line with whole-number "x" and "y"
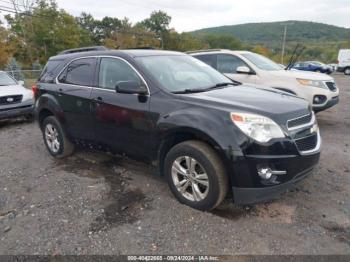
{"x": 203, "y": 50}
{"x": 83, "y": 49}
{"x": 142, "y": 48}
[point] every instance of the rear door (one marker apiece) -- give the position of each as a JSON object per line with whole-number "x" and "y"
{"x": 73, "y": 93}
{"x": 121, "y": 121}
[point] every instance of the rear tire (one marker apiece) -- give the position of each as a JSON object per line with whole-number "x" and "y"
{"x": 196, "y": 175}
{"x": 55, "y": 138}
{"x": 347, "y": 71}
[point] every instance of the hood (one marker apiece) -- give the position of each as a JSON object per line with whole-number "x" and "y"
{"x": 302, "y": 74}
{"x": 14, "y": 90}
{"x": 278, "y": 105}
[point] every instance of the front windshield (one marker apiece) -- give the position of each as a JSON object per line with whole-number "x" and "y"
{"x": 179, "y": 73}
{"x": 6, "y": 80}
{"x": 262, "y": 62}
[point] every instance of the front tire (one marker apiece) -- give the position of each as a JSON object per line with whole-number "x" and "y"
{"x": 347, "y": 71}
{"x": 55, "y": 138}
{"x": 196, "y": 175}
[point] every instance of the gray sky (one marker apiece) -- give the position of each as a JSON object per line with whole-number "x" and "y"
{"x": 196, "y": 14}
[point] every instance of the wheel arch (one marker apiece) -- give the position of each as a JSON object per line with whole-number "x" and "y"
{"x": 180, "y": 135}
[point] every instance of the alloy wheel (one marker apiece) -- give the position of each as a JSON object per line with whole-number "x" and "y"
{"x": 190, "y": 178}
{"x": 52, "y": 138}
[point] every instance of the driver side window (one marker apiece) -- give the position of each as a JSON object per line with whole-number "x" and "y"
{"x": 228, "y": 64}
{"x": 113, "y": 71}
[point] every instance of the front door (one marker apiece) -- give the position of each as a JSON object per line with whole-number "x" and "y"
{"x": 121, "y": 121}
{"x": 228, "y": 64}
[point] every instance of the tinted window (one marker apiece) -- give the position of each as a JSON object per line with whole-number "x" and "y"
{"x": 114, "y": 70}
{"x": 79, "y": 72}
{"x": 208, "y": 59}
{"x": 229, "y": 64}
{"x": 47, "y": 74}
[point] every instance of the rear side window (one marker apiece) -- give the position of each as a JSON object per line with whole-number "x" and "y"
{"x": 208, "y": 59}
{"x": 48, "y": 73}
{"x": 79, "y": 72}
{"x": 114, "y": 70}
{"x": 228, "y": 64}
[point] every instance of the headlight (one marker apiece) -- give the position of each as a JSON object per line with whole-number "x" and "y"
{"x": 307, "y": 82}
{"x": 260, "y": 128}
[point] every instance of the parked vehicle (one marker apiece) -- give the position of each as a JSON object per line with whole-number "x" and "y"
{"x": 15, "y": 99}
{"x": 334, "y": 67}
{"x": 313, "y": 66}
{"x": 319, "y": 89}
{"x": 206, "y": 134}
{"x": 344, "y": 61}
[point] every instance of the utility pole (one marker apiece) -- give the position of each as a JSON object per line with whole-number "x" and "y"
{"x": 284, "y": 40}
{"x": 284, "y": 43}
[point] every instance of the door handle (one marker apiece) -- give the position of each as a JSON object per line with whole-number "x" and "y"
{"x": 100, "y": 99}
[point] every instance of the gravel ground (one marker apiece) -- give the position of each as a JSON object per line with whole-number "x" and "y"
{"x": 95, "y": 203}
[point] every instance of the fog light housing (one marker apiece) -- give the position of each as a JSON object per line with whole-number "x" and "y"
{"x": 265, "y": 173}
{"x": 319, "y": 99}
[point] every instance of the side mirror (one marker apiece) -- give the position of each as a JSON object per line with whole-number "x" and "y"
{"x": 243, "y": 70}
{"x": 131, "y": 87}
{"x": 21, "y": 83}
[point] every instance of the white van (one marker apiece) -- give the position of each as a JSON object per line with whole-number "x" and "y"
{"x": 344, "y": 61}
{"x": 246, "y": 67}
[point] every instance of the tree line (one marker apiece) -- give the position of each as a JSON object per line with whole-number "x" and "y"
{"x": 38, "y": 29}
{"x": 42, "y": 29}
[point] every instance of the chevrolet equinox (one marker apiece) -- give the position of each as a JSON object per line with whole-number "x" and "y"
{"x": 209, "y": 136}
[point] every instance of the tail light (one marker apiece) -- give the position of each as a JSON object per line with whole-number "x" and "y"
{"x": 35, "y": 90}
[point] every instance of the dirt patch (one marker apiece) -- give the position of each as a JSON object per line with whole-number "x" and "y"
{"x": 122, "y": 204}
{"x": 276, "y": 212}
{"x": 339, "y": 233}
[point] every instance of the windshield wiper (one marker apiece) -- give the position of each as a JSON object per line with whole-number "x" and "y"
{"x": 189, "y": 91}
{"x": 299, "y": 49}
{"x": 199, "y": 90}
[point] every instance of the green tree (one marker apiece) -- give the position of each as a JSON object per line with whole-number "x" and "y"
{"x": 5, "y": 47}
{"x": 222, "y": 41}
{"x": 183, "y": 42}
{"x": 158, "y": 23}
{"x": 44, "y": 31}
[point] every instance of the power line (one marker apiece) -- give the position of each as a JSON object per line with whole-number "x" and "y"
{"x": 15, "y": 4}
{"x": 21, "y": 12}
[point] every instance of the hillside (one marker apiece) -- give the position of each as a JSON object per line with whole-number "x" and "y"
{"x": 271, "y": 33}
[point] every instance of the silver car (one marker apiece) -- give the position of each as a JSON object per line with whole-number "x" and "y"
{"x": 15, "y": 99}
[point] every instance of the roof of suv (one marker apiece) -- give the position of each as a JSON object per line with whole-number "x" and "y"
{"x": 130, "y": 52}
{"x": 217, "y": 51}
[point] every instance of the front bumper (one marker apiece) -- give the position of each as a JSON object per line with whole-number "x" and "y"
{"x": 331, "y": 102}
{"x": 16, "y": 111}
{"x": 245, "y": 196}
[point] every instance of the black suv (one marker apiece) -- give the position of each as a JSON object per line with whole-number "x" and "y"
{"x": 208, "y": 135}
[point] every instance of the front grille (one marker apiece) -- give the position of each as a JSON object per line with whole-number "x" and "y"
{"x": 299, "y": 121}
{"x": 9, "y": 100}
{"x": 307, "y": 143}
{"x": 332, "y": 86}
